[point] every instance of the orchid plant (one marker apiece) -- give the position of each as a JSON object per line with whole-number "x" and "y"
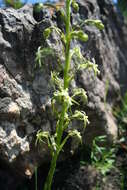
{"x": 62, "y": 100}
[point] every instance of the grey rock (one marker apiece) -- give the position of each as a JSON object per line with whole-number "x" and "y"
{"x": 11, "y": 144}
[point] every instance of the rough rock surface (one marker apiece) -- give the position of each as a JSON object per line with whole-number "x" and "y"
{"x": 25, "y": 93}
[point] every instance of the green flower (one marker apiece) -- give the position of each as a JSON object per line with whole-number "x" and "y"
{"x": 81, "y": 115}
{"x": 47, "y": 33}
{"x": 81, "y": 93}
{"x": 76, "y": 133}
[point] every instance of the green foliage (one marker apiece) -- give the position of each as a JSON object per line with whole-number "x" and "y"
{"x": 122, "y": 4}
{"x": 122, "y": 111}
{"x": 121, "y": 114}
{"x": 62, "y": 100}
{"x": 101, "y": 157}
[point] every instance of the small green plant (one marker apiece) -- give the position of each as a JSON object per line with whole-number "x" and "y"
{"x": 121, "y": 115}
{"x": 64, "y": 104}
{"x": 122, "y": 4}
{"x": 102, "y": 158}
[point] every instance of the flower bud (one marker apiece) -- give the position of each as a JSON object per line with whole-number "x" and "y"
{"x": 83, "y": 37}
{"x": 96, "y": 23}
{"x": 99, "y": 25}
{"x": 75, "y": 6}
{"x": 79, "y": 35}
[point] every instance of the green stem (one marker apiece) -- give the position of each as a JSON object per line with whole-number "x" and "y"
{"x": 67, "y": 51}
{"x": 48, "y": 183}
{"x": 60, "y": 128}
{"x": 66, "y": 70}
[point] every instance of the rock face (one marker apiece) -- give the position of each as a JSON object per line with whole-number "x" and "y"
{"x": 25, "y": 93}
